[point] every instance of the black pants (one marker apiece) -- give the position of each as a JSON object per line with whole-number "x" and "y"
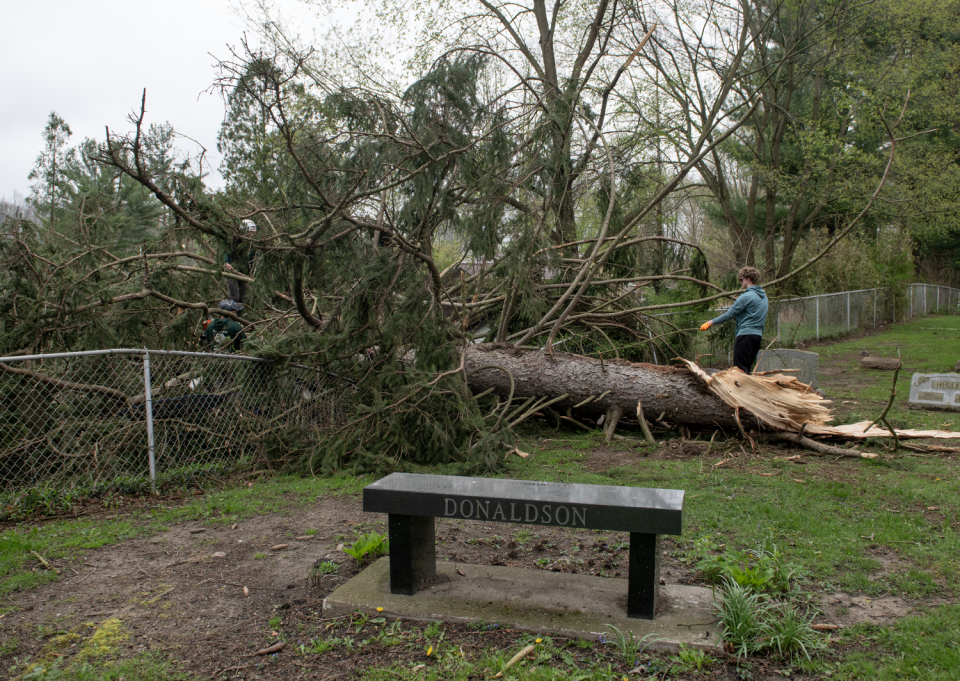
{"x": 236, "y": 290}
{"x": 745, "y": 350}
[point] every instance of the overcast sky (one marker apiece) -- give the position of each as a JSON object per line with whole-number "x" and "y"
{"x": 90, "y": 60}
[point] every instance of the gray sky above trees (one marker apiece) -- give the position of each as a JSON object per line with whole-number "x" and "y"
{"x": 90, "y": 61}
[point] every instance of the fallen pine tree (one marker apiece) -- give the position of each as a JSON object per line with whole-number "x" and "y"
{"x": 685, "y": 395}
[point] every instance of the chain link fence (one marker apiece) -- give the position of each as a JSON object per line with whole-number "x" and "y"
{"x": 85, "y": 422}
{"x": 800, "y": 320}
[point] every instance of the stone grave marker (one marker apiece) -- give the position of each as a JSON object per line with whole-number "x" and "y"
{"x": 782, "y": 358}
{"x": 935, "y": 390}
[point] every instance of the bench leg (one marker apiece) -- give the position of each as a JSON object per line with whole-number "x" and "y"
{"x": 413, "y": 552}
{"x": 643, "y": 583}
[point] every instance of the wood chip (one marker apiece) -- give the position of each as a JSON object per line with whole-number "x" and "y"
{"x": 513, "y": 660}
{"x": 233, "y": 527}
{"x": 246, "y": 591}
{"x": 824, "y": 627}
{"x": 797, "y": 480}
{"x": 720, "y": 463}
{"x": 304, "y": 537}
{"x": 197, "y": 531}
{"x": 275, "y": 648}
{"x": 279, "y": 547}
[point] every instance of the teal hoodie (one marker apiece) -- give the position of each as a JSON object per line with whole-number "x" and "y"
{"x": 750, "y": 311}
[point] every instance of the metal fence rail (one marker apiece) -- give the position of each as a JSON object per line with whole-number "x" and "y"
{"x": 127, "y": 418}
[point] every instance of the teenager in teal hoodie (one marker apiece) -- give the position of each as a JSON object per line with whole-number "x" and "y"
{"x": 750, "y": 311}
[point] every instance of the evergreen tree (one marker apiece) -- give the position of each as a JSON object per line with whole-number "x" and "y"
{"x": 51, "y": 188}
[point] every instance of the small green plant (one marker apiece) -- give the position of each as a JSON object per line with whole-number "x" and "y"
{"x": 543, "y": 561}
{"x": 691, "y": 658}
{"x": 9, "y": 647}
{"x": 40, "y": 673}
{"x": 433, "y": 629}
{"x": 374, "y": 544}
{"x": 259, "y": 556}
{"x": 742, "y": 614}
{"x": 311, "y": 532}
{"x": 790, "y": 634}
{"x": 751, "y": 623}
{"x": 275, "y": 622}
{"x": 523, "y": 536}
{"x": 327, "y": 567}
{"x": 318, "y": 646}
{"x": 763, "y": 570}
{"x": 360, "y": 621}
{"x": 629, "y": 646}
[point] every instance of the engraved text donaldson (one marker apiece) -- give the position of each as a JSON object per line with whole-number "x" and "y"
{"x": 515, "y": 512}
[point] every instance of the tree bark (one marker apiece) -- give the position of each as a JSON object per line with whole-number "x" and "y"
{"x": 672, "y": 392}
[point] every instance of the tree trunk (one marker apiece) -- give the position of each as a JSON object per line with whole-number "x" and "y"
{"x": 672, "y": 392}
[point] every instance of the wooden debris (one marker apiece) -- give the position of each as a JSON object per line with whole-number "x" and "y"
{"x": 880, "y": 363}
{"x": 781, "y": 402}
{"x": 44, "y": 563}
{"x": 513, "y": 660}
{"x": 275, "y": 648}
{"x": 279, "y": 547}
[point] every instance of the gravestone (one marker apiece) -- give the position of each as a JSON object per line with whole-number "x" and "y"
{"x": 781, "y": 358}
{"x": 935, "y": 390}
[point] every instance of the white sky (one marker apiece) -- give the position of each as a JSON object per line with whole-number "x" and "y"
{"x": 90, "y": 60}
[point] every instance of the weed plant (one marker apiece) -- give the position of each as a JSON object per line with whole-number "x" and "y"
{"x": 373, "y": 544}
{"x": 752, "y": 622}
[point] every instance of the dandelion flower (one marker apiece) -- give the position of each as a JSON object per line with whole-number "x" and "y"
{"x": 379, "y": 609}
{"x": 429, "y": 651}
{"x": 539, "y": 640}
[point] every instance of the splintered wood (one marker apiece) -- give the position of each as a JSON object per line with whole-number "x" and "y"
{"x": 780, "y": 401}
{"x": 785, "y": 404}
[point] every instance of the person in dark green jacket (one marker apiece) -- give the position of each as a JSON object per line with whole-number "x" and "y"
{"x": 750, "y": 311}
{"x": 224, "y": 334}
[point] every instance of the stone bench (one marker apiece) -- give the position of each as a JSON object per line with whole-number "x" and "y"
{"x": 413, "y": 502}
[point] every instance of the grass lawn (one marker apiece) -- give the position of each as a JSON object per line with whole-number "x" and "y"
{"x": 870, "y": 528}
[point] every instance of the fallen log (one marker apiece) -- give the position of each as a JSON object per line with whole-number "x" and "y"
{"x": 595, "y": 386}
{"x": 880, "y": 363}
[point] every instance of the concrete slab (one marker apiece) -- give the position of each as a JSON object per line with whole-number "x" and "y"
{"x": 533, "y": 600}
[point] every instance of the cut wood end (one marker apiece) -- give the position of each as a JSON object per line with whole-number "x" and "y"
{"x": 246, "y": 591}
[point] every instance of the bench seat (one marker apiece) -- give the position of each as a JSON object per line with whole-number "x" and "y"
{"x": 413, "y": 501}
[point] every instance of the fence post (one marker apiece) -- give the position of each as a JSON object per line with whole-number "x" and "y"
{"x": 848, "y": 311}
{"x": 148, "y": 406}
{"x": 874, "y": 308}
{"x": 818, "y": 317}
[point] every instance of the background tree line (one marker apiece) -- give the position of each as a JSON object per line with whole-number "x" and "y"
{"x": 546, "y": 173}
